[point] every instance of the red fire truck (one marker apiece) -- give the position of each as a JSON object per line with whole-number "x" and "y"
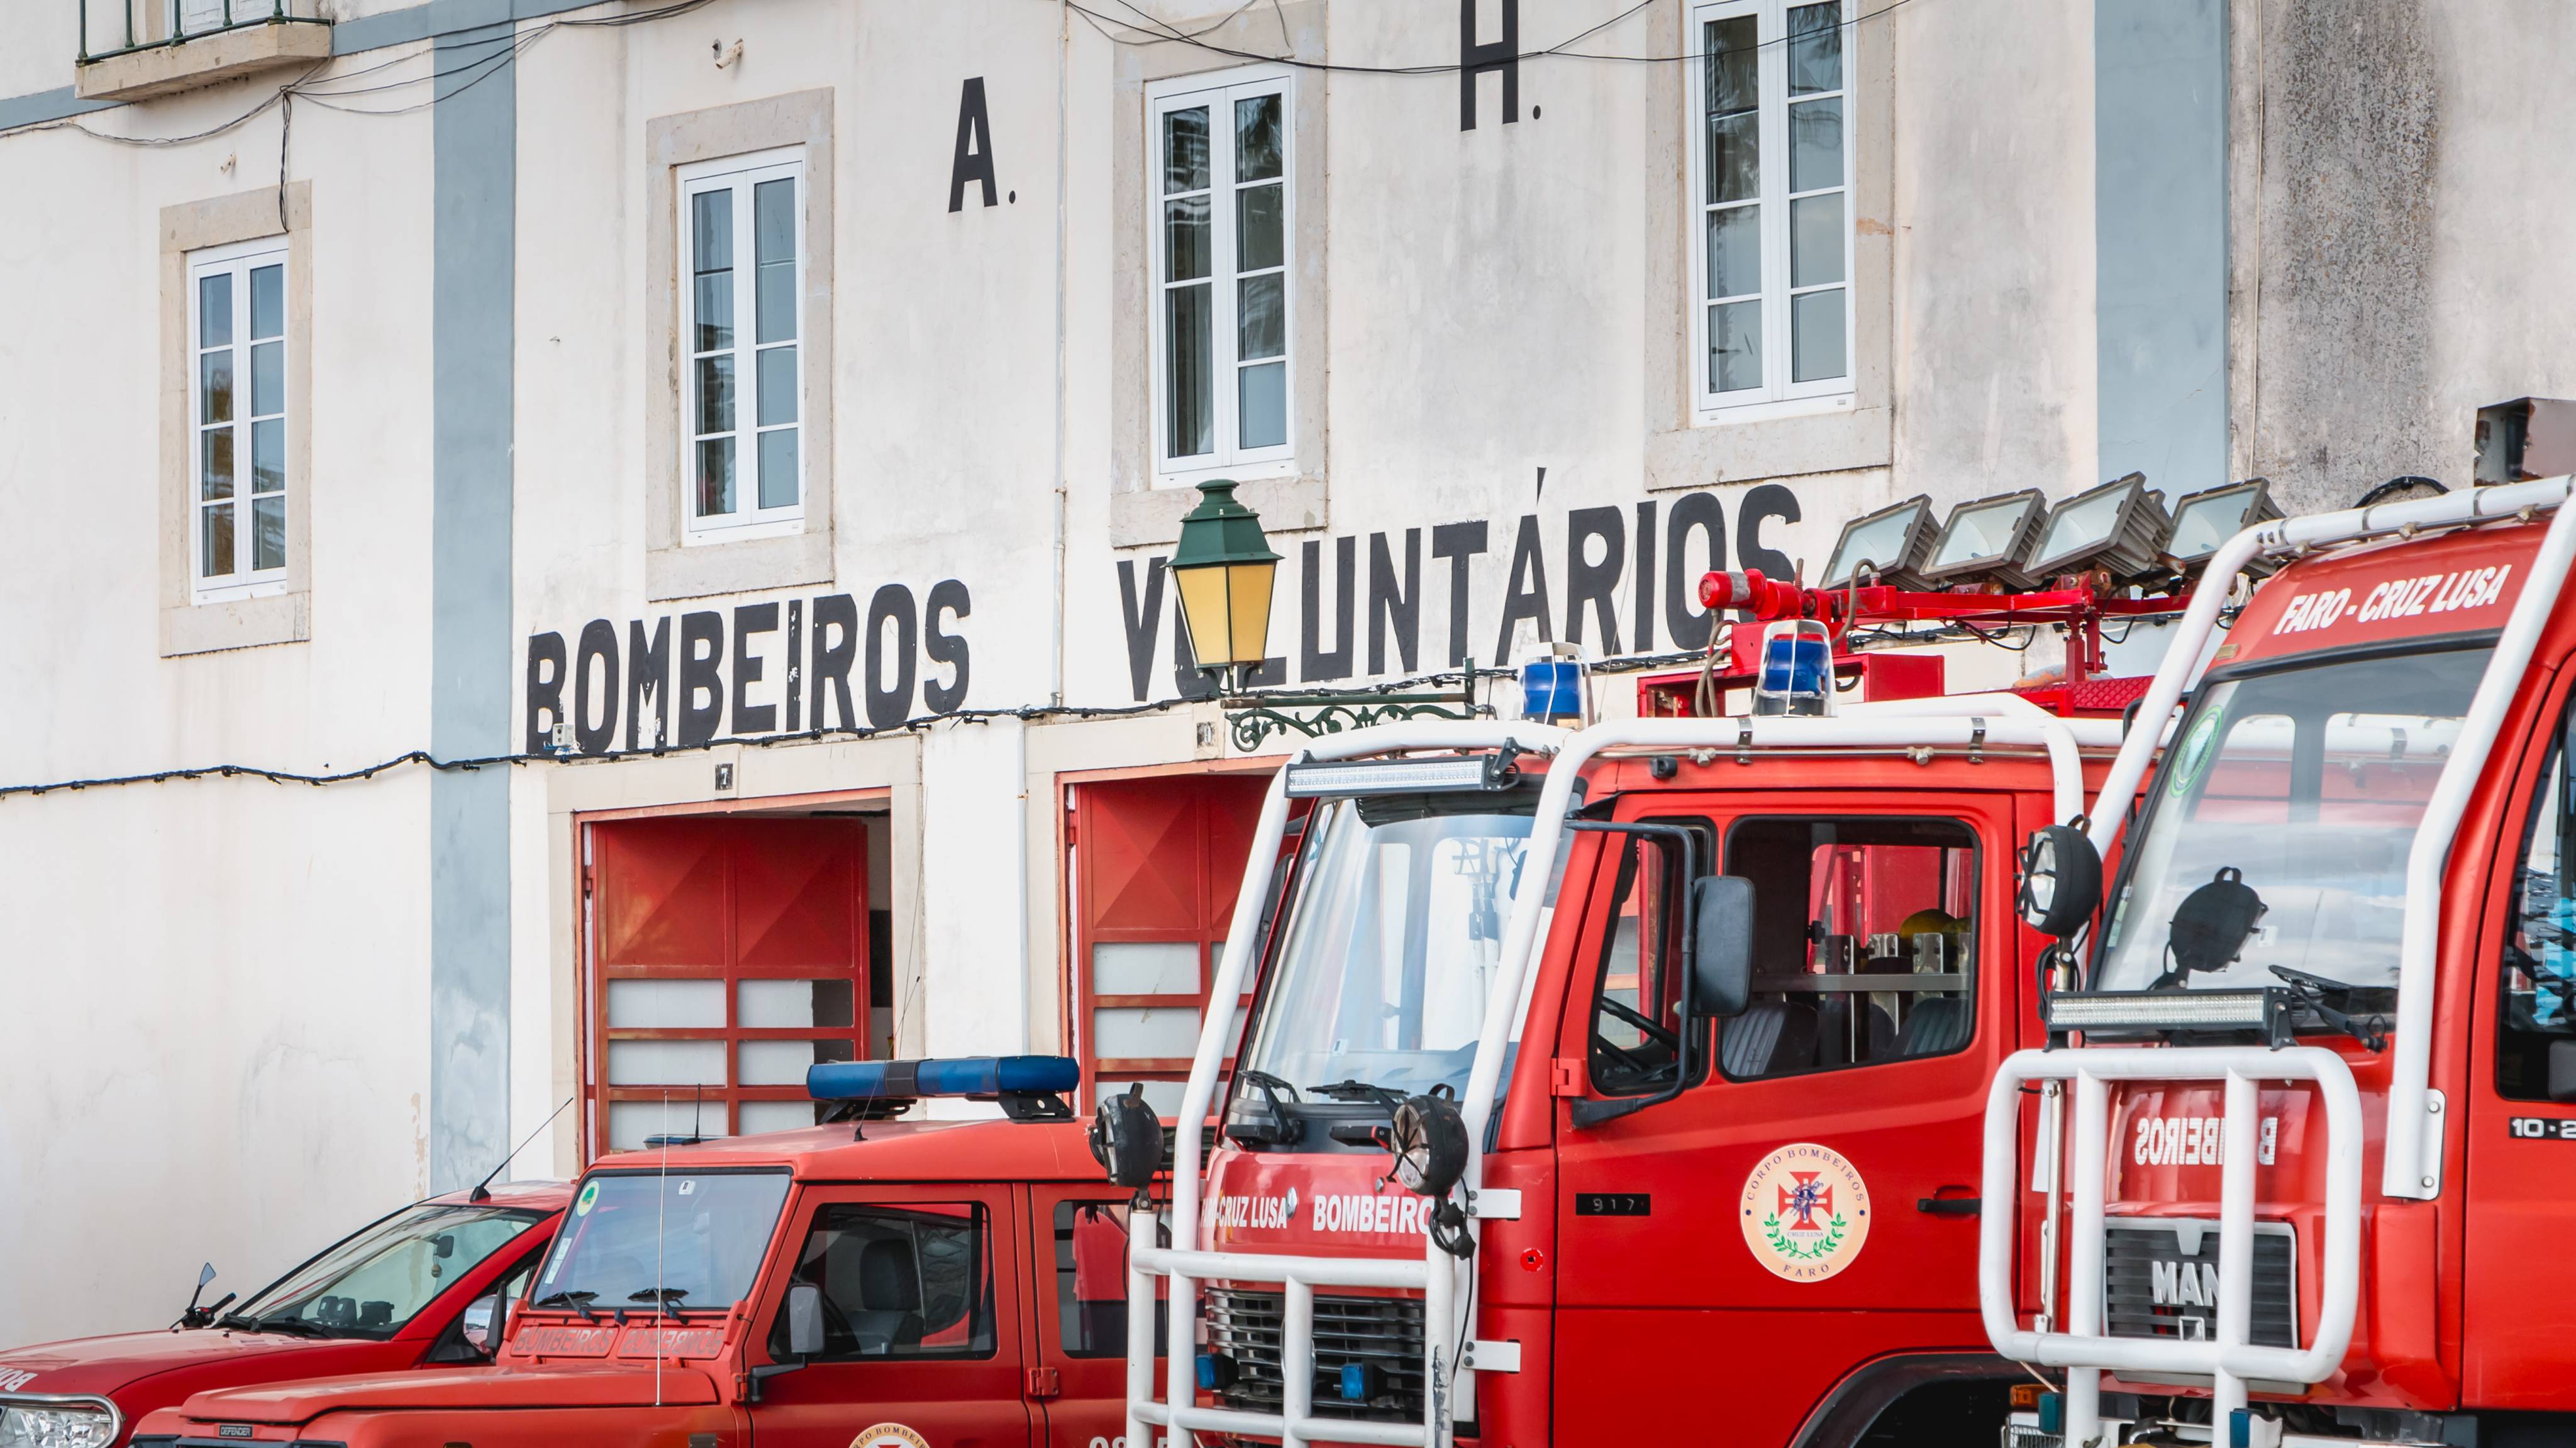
{"x": 873, "y": 1282}
{"x": 419, "y": 1288}
{"x": 2324, "y": 1079}
{"x": 1681, "y": 1031}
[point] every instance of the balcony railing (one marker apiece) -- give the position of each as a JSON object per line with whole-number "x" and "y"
{"x": 110, "y": 28}
{"x": 131, "y": 49}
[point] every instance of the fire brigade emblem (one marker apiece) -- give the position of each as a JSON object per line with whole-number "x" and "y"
{"x": 1805, "y": 1212}
{"x": 888, "y": 1435}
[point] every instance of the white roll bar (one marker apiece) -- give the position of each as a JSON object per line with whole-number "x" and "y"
{"x": 2413, "y": 1152}
{"x": 2412, "y": 1166}
{"x": 1241, "y": 943}
{"x": 2230, "y": 1357}
{"x": 2003, "y": 721}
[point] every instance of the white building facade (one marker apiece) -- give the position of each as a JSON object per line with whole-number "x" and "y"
{"x": 800, "y": 400}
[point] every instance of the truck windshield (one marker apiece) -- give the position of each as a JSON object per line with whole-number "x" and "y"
{"x": 2302, "y": 785}
{"x": 690, "y": 1241}
{"x": 1393, "y": 938}
{"x": 378, "y": 1279}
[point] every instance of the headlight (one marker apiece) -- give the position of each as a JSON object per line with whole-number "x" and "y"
{"x": 69, "y": 1425}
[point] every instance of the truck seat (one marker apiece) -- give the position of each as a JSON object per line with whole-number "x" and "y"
{"x": 1936, "y": 1026}
{"x": 1770, "y": 1038}
{"x": 889, "y": 1313}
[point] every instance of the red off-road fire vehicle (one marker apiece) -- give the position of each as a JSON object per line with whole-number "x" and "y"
{"x": 419, "y": 1288}
{"x": 2318, "y": 1164}
{"x": 1682, "y": 1042}
{"x": 874, "y": 1282}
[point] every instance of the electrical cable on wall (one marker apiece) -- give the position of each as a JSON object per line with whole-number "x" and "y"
{"x": 1157, "y": 31}
{"x": 1149, "y": 29}
{"x": 1634, "y": 663}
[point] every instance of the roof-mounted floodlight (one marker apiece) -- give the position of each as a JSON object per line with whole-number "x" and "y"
{"x": 1889, "y": 544}
{"x": 1403, "y": 776}
{"x": 2207, "y": 519}
{"x": 1026, "y": 1086}
{"x": 2119, "y": 527}
{"x": 1989, "y": 539}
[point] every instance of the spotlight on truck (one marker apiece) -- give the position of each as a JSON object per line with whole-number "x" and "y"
{"x": 1987, "y": 540}
{"x": 2061, "y": 880}
{"x": 1889, "y": 545}
{"x": 1127, "y": 1139}
{"x": 1430, "y": 1142}
{"x": 2207, "y": 519}
{"x": 2119, "y": 527}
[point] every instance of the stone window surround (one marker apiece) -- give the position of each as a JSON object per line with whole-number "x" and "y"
{"x": 1141, "y": 514}
{"x": 673, "y": 569}
{"x": 188, "y": 627}
{"x": 1685, "y": 449}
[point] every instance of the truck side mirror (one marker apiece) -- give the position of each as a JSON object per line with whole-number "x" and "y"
{"x": 481, "y": 1325}
{"x": 2061, "y": 880}
{"x": 1722, "y": 944}
{"x": 804, "y": 1319}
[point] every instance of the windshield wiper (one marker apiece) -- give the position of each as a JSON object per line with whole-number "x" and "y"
{"x": 2371, "y": 1031}
{"x": 664, "y": 1299}
{"x": 1350, "y": 1089}
{"x": 1264, "y": 1078}
{"x": 577, "y": 1302}
{"x": 291, "y": 1326}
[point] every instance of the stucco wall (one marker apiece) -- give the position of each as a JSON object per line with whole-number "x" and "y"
{"x": 234, "y": 976}
{"x": 212, "y": 987}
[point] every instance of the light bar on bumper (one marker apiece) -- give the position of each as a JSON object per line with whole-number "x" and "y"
{"x": 2165, "y": 1010}
{"x": 1403, "y": 776}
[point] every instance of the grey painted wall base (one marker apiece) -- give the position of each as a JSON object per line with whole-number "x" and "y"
{"x": 2160, "y": 239}
{"x": 474, "y": 138}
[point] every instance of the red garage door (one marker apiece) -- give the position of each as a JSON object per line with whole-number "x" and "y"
{"x": 726, "y": 956}
{"x": 1156, "y": 864}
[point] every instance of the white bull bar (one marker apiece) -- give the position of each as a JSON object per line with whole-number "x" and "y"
{"x": 2230, "y": 1357}
{"x": 1970, "y": 723}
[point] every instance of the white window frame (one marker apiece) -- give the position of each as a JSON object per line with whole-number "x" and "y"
{"x": 1778, "y": 396}
{"x": 740, "y": 174}
{"x": 1219, "y": 92}
{"x": 236, "y": 262}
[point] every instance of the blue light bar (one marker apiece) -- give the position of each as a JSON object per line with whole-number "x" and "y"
{"x": 957, "y": 1076}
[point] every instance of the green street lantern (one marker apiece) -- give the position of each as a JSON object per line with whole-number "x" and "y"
{"x": 1224, "y": 568}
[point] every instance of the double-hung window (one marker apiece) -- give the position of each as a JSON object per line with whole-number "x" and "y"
{"x": 237, "y": 411}
{"x": 742, "y": 244}
{"x": 1771, "y": 172}
{"x": 1221, "y": 225}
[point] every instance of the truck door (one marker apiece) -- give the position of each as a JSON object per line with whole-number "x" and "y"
{"x": 2518, "y": 1345}
{"x": 923, "y": 1322}
{"x": 1806, "y": 1204}
{"x": 1079, "y": 1240}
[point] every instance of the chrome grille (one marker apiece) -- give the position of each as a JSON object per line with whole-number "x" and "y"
{"x": 2152, "y": 1288}
{"x": 1387, "y": 1331}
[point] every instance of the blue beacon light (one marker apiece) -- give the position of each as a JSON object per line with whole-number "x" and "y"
{"x": 1797, "y": 670}
{"x": 951, "y": 1076}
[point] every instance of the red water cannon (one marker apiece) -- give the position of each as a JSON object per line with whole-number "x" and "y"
{"x": 2078, "y": 602}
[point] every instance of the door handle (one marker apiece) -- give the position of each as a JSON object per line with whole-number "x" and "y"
{"x": 1940, "y": 1206}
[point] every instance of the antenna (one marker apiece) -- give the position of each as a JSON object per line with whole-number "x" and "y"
{"x": 661, "y": 1245}
{"x": 483, "y": 1189}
